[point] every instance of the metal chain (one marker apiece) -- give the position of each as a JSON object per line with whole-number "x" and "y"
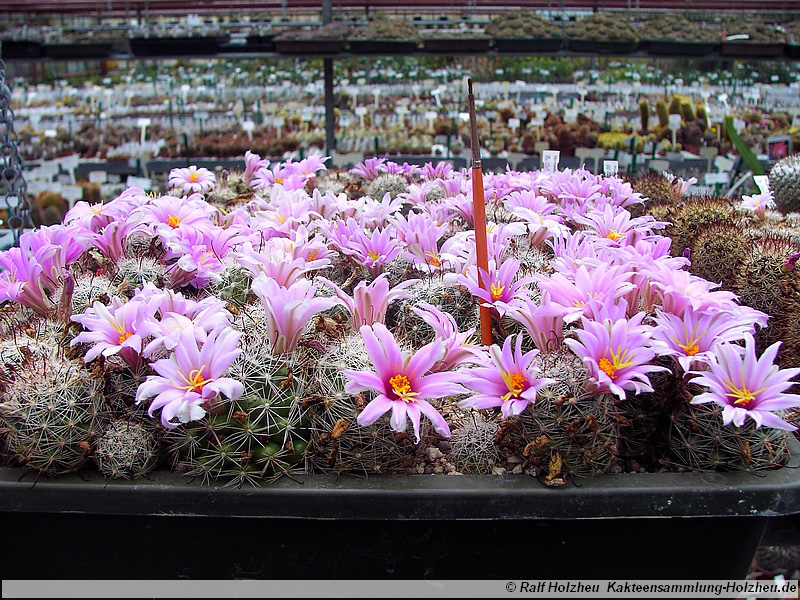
{"x": 13, "y": 188}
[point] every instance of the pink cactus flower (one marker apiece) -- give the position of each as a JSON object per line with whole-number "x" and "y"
{"x": 192, "y": 380}
{"x": 510, "y": 380}
{"x": 616, "y": 354}
{"x": 403, "y": 383}
{"x": 370, "y": 301}
{"x": 193, "y": 179}
{"x": 747, "y": 386}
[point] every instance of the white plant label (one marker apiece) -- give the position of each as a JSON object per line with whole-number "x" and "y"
{"x": 550, "y": 160}
{"x": 762, "y": 181}
{"x": 361, "y": 111}
{"x": 248, "y": 127}
{"x": 611, "y": 168}
{"x": 674, "y": 122}
{"x": 738, "y": 125}
{"x": 50, "y": 133}
{"x": 514, "y": 123}
{"x": 714, "y": 178}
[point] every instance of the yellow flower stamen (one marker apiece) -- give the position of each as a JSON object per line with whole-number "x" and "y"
{"x": 433, "y": 259}
{"x": 194, "y": 177}
{"x": 515, "y": 383}
{"x": 173, "y": 222}
{"x": 402, "y": 388}
{"x": 279, "y": 180}
{"x": 496, "y": 291}
{"x": 614, "y": 235}
{"x": 195, "y": 381}
{"x": 374, "y": 255}
{"x": 690, "y": 350}
{"x": 124, "y": 337}
{"x": 617, "y": 362}
{"x": 742, "y": 397}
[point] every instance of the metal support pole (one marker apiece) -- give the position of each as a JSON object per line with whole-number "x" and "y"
{"x": 13, "y": 188}
{"x": 327, "y": 15}
{"x": 330, "y": 118}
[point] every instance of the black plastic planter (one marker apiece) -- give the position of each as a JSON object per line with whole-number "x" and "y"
{"x": 603, "y": 46}
{"x": 77, "y": 51}
{"x": 178, "y": 46}
{"x": 669, "y": 48}
{"x": 793, "y": 51}
{"x": 748, "y": 49}
{"x": 650, "y": 526}
{"x": 12, "y": 49}
{"x": 521, "y": 45}
{"x": 464, "y": 45}
{"x": 260, "y": 43}
{"x": 382, "y": 46}
{"x": 309, "y": 46}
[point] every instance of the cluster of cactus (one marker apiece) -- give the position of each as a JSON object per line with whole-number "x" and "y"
{"x": 784, "y": 182}
{"x": 570, "y": 430}
{"x": 51, "y": 409}
{"x": 700, "y": 441}
{"x": 139, "y": 270}
{"x": 127, "y": 449}
{"x": 452, "y": 299}
{"x": 520, "y": 24}
{"x": 600, "y": 26}
{"x": 717, "y": 253}
{"x": 90, "y": 288}
{"x": 673, "y": 27}
{"x": 391, "y": 184}
{"x": 261, "y": 435}
{"x": 232, "y": 189}
{"x": 233, "y": 284}
{"x": 472, "y": 445}
{"x": 338, "y": 444}
{"x": 695, "y": 214}
{"x": 656, "y": 189}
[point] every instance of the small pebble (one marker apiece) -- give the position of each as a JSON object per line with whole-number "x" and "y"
{"x": 444, "y": 446}
{"x": 428, "y": 469}
{"x": 498, "y": 471}
{"x": 517, "y": 470}
{"x": 420, "y": 469}
{"x": 513, "y": 459}
{"x": 432, "y": 454}
{"x": 449, "y": 468}
{"x": 438, "y": 469}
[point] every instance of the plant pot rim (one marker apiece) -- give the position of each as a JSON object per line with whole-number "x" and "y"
{"x": 417, "y": 497}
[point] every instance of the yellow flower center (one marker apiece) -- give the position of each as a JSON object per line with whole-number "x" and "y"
{"x": 195, "y": 381}
{"x": 617, "y": 362}
{"x": 173, "y": 222}
{"x": 374, "y": 255}
{"x": 614, "y": 235}
{"x": 434, "y": 260}
{"x": 194, "y": 177}
{"x": 690, "y": 350}
{"x": 124, "y": 337}
{"x": 496, "y": 291}
{"x": 515, "y": 383}
{"x": 402, "y": 388}
{"x": 97, "y": 209}
{"x": 742, "y": 397}
{"x": 279, "y": 180}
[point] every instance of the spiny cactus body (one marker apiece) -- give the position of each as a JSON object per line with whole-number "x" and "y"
{"x": 126, "y": 450}
{"x": 50, "y": 411}
{"x": 784, "y": 182}
{"x": 391, "y": 184}
{"x": 261, "y": 435}
{"x": 700, "y": 441}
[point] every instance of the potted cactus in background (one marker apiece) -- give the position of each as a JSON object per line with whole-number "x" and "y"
{"x": 604, "y": 33}
{"x": 674, "y": 34}
{"x": 385, "y": 35}
{"x": 748, "y": 37}
{"x": 524, "y": 31}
